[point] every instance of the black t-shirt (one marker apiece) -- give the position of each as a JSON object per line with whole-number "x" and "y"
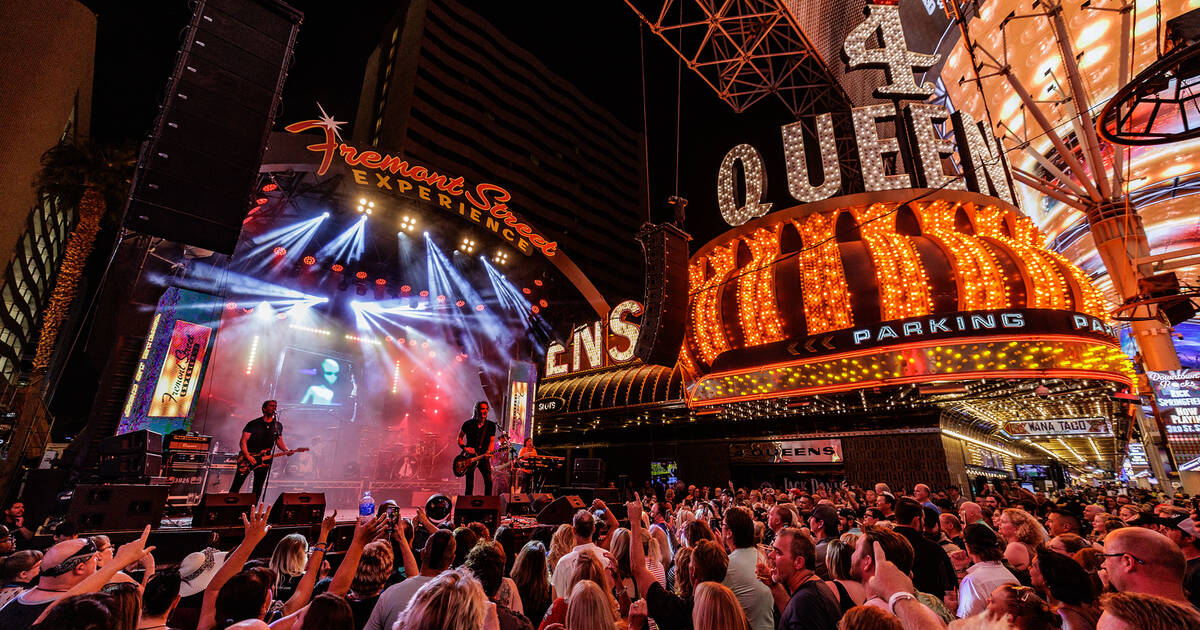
{"x": 668, "y": 610}
{"x": 813, "y": 606}
{"x": 262, "y": 434}
{"x": 1191, "y": 581}
{"x": 477, "y": 436}
{"x": 18, "y": 614}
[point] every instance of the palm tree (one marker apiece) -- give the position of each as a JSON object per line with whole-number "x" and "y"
{"x": 95, "y": 181}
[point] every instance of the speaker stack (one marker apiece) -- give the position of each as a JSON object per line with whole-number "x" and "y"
{"x": 195, "y": 175}
{"x": 484, "y": 509}
{"x": 116, "y": 507}
{"x": 133, "y": 458}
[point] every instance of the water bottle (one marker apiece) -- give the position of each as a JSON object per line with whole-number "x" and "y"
{"x": 366, "y": 507}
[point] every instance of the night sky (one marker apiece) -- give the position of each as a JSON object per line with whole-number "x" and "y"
{"x": 597, "y": 50}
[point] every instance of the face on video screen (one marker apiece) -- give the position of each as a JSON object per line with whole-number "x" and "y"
{"x": 309, "y": 378}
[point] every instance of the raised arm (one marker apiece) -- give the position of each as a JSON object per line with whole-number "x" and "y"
{"x": 423, "y": 519}
{"x": 304, "y": 588}
{"x": 364, "y": 532}
{"x": 406, "y": 554}
{"x": 642, "y": 577}
{"x": 256, "y": 528}
{"x": 126, "y": 555}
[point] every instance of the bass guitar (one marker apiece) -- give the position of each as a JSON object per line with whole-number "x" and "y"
{"x": 263, "y": 458}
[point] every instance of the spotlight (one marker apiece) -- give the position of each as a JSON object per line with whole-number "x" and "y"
{"x": 380, "y": 281}
{"x": 526, "y": 290}
{"x": 309, "y": 260}
{"x": 543, "y": 303}
{"x": 408, "y": 223}
{"x": 324, "y": 215}
{"x": 460, "y": 303}
{"x": 500, "y": 258}
{"x": 424, "y": 293}
{"x": 479, "y": 307}
{"x": 535, "y": 309}
{"x": 270, "y": 187}
{"x": 337, "y": 268}
{"x": 537, "y": 282}
{"x": 261, "y": 201}
{"x": 362, "y": 275}
{"x": 467, "y": 245}
{"x": 279, "y": 251}
{"x": 442, "y": 299}
{"x": 405, "y": 289}
{"x": 231, "y": 306}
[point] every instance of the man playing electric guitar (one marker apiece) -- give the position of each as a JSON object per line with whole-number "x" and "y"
{"x": 478, "y": 437}
{"x": 259, "y": 436}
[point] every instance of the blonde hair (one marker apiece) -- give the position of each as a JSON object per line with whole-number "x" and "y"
{"x": 586, "y": 566}
{"x": 683, "y": 572}
{"x": 561, "y": 544}
{"x": 1029, "y": 530}
{"x": 453, "y": 600}
{"x": 1150, "y": 612}
{"x": 870, "y": 618}
{"x": 289, "y": 557}
{"x": 590, "y": 607}
{"x": 717, "y": 608}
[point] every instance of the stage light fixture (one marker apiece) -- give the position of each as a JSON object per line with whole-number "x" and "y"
{"x": 262, "y": 201}
{"x": 337, "y": 268}
{"x": 380, "y": 281}
{"x": 362, "y": 275}
{"x": 480, "y": 307}
{"x": 460, "y": 303}
{"x": 501, "y": 257}
{"x": 424, "y": 293}
{"x": 271, "y": 187}
{"x": 535, "y": 309}
{"x": 537, "y": 282}
{"x": 279, "y": 251}
{"x": 324, "y": 215}
{"x": 405, "y": 289}
{"x": 543, "y": 303}
{"x": 442, "y": 299}
{"x": 230, "y": 306}
{"x": 309, "y": 260}
{"x": 467, "y": 245}
{"x": 526, "y": 290}
{"x": 408, "y": 223}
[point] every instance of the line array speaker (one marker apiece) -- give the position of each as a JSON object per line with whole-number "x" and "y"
{"x": 666, "y": 293}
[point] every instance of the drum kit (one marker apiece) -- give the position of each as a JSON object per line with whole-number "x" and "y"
{"x": 422, "y": 458}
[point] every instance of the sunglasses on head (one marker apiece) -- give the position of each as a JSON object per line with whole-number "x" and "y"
{"x": 66, "y": 566}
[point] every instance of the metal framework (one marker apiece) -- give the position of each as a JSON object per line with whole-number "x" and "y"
{"x": 745, "y": 50}
{"x": 1153, "y": 108}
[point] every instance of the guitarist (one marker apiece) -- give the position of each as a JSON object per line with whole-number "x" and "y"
{"x": 478, "y": 436}
{"x": 260, "y": 434}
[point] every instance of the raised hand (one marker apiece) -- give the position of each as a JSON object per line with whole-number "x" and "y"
{"x": 132, "y": 551}
{"x": 634, "y": 509}
{"x": 638, "y": 614}
{"x": 367, "y": 530}
{"x": 256, "y": 525}
{"x": 327, "y": 525}
{"x": 888, "y": 579}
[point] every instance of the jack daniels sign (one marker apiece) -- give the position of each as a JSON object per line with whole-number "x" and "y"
{"x": 943, "y": 326}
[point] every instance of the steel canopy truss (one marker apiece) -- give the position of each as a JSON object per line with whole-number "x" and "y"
{"x": 745, "y": 50}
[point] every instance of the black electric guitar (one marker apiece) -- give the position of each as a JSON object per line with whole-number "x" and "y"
{"x": 262, "y": 458}
{"x": 463, "y": 461}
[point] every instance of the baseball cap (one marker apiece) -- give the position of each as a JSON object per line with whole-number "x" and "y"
{"x": 198, "y": 569}
{"x": 1180, "y": 522}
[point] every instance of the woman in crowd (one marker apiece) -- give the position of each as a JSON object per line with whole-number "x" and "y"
{"x": 591, "y": 608}
{"x": 453, "y": 600}
{"x": 1067, "y": 589}
{"x": 126, "y": 603}
{"x": 287, "y": 561}
{"x": 560, "y": 545}
{"x": 681, "y": 573}
{"x": 850, "y": 592}
{"x": 326, "y": 612}
{"x": 585, "y": 567}
{"x": 1023, "y": 535}
{"x": 464, "y": 540}
{"x": 716, "y": 608}
{"x": 533, "y": 580}
{"x": 1131, "y": 514}
{"x": 91, "y": 611}
{"x": 1021, "y": 607}
{"x": 18, "y": 572}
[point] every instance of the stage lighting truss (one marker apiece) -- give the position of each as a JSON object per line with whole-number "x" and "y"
{"x": 365, "y": 206}
{"x": 467, "y": 245}
{"x": 408, "y": 223}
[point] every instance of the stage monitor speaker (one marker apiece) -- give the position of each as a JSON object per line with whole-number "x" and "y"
{"x": 665, "y": 248}
{"x": 588, "y": 471}
{"x": 143, "y": 441}
{"x": 196, "y": 174}
{"x": 560, "y": 510}
{"x": 298, "y": 508}
{"x": 131, "y": 465}
{"x": 472, "y": 508}
{"x": 223, "y": 509}
{"x": 518, "y": 503}
{"x": 539, "y": 500}
{"x": 116, "y": 507}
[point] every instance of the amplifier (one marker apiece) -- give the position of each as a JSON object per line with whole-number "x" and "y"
{"x": 188, "y": 442}
{"x": 143, "y": 441}
{"x": 188, "y": 458}
{"x": 131, "y": 465}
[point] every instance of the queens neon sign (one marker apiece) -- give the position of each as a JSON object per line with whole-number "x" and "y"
{"x": 485, "y": 197}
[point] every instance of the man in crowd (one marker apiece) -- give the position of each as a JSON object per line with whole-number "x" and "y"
{"x": 486, "y": 561}
{"x": 823, "y": 523}
{"x": 583, "y": 526}
{"x": 1061, "y": 522}
{"x": 922, "y": 494}
{"x": 952, "y": 528}
{"x": 1182, "y": 531}
{"x": 885, "y": 502}
{"x": 1139, "y": 560}
{"x": 956, "y": 497}
{"x": 778, "y": 518}
{"x": 437, "y": 556}
{"x": 970, "y": 512}
{"x": 986, "y": 574}
{"x": 753, "y": 595}
{"x": 804, "y": 600}
{"x": 14, "y": 520}
{"x": 931, "y": 570}
{"x": 159, "y": 599}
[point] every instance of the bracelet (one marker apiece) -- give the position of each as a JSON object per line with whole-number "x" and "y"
{"x": 322, "y": 547}
{"x": 897, "y": 597}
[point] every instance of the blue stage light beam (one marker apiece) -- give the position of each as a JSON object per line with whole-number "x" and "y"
{"x": 348, "y": 246}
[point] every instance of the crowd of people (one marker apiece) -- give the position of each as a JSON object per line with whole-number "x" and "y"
{"x": 671, "y": 558}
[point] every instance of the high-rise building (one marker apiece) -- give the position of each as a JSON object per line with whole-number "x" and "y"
{"x": 445, "y": 88}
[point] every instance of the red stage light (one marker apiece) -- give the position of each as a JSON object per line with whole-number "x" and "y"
{"x": 309, "y": 260}
{"x": 261, "y": 201}
{"x": 337, "y": 268}
{"x": 380, "y": 281}
{"x": 362, "y": 275}
{"x": 526, "y": 291}
{"x": 479, "y": 307}
{"x": 270, "y": 187}
{"x": 534, "y": 308}
{"x": 424, "y": 293}
{"x": 279, "y": 251}
{"x": 230, "y": 306}
{"x": 460, "y": 303}
{"x": 405, "y": 289}
{"x": 442, "y": 299}
{"x": 543, "y": 303}
{"x": 538, "y": 282}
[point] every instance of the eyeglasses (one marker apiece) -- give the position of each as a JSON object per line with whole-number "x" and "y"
{"x": 1124, "y": 553}
{"x": 84, "y": 554}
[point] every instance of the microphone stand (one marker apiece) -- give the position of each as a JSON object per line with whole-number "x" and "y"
{"x": 270, "y": 465}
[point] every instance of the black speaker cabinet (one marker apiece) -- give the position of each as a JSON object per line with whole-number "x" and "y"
{"x": 133, "y": 442}
{"x": 519, "y": 503}
{"x": 223, "y": 509}
{"x": 115, "y": 507}
{"x": 472, "y": 508}
{"x": 588, "y": 471}
{"x": 131, "y": 465}
{"x": 560, "y": 510}
{"x": 298, "y": 508}
{"x": 195, "y": 176}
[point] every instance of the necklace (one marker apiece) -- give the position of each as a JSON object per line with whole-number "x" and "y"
{"x": 51, "y": 590}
